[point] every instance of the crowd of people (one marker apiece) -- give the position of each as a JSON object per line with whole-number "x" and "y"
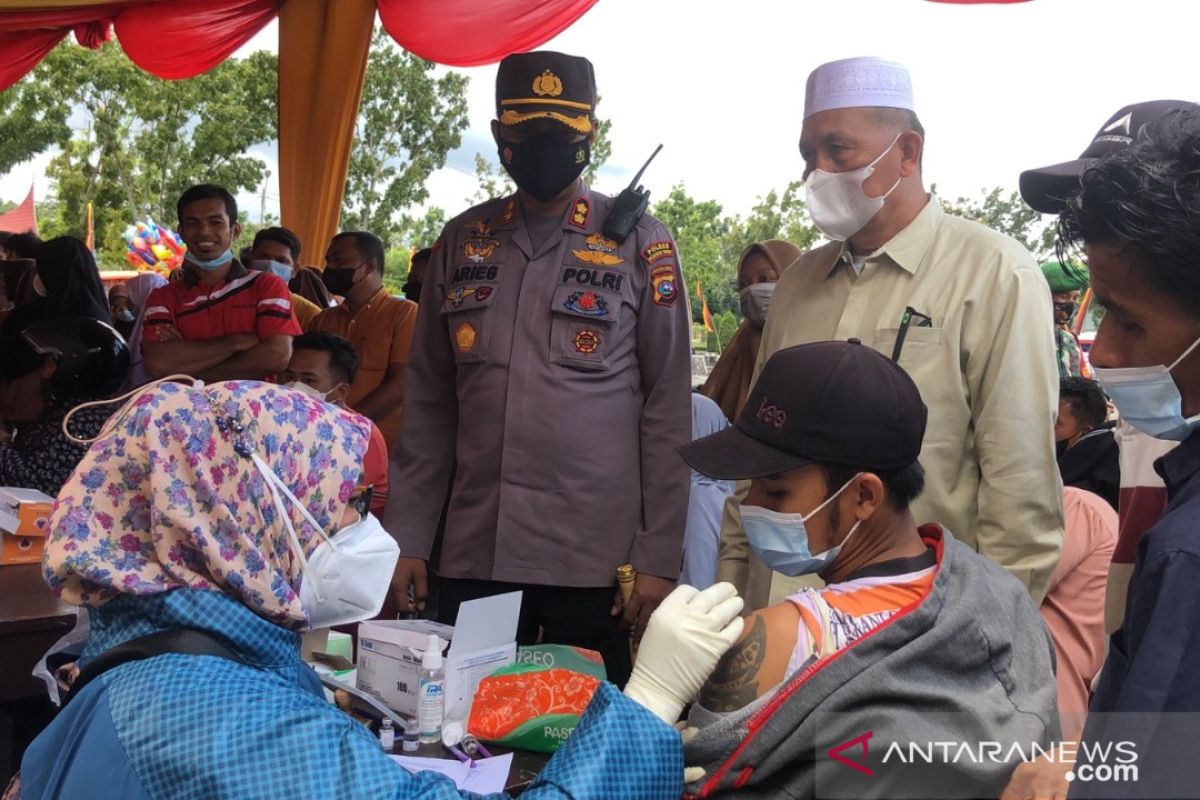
{"x": 905, "y": 468}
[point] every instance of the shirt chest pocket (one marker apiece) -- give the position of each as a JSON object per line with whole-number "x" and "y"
{"x": 583, "y": 326}
{"x": 468, "y": 321}
{"x": 920, "y": 350}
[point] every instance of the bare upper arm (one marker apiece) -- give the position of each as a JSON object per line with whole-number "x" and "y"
{"x": 756, "y": 663}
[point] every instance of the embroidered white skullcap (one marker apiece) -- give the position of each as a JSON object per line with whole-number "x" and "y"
{"x": 857, "y": 83}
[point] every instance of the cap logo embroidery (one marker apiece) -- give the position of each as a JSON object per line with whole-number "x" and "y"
{"x": 1123, "y": 123}
{"x": 771, "y": 415}
{"x": 547, "y": 84}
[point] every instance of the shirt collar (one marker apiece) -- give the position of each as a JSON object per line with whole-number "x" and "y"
{"x": 191, "y": 275}
{"x": 908, "y": 247}
{"x": 581, "y": 214}
{"x": 1177, "y": 466}
{"x": 344, "y": 307}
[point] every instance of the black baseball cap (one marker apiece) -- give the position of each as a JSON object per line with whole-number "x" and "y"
{"x": 1046, "y": 189}
{"x": 838, "y": 403}
{"x": 546, "y": 85}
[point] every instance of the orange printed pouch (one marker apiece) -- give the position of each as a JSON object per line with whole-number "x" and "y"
{"x": 535, "y": 703}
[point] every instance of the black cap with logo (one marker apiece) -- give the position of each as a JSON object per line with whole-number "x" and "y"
{"x": 546, "y": 85}
{"x": 1046, "y": 189}
{"x": 836, "y": 403}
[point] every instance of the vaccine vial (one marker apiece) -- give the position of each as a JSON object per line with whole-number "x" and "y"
{"x": 387, "y": 735}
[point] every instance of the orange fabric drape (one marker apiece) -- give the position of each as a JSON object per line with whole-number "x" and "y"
{"x": 323, "y": 46}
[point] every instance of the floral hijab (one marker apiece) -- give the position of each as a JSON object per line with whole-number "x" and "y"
{"x": 168, "y": 496}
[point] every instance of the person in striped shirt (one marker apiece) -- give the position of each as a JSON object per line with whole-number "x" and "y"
{"x": 220, "y": 321}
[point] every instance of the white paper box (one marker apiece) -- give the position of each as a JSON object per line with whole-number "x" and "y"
{"x": 482, "y": 640}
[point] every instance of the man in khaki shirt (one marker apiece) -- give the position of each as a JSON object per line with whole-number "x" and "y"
{"x": 964, "y": 310}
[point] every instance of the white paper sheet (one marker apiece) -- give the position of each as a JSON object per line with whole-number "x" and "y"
{"x": 488, "y": 775}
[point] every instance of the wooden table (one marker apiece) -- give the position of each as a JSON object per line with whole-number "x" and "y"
{"x": 31, "y": 620}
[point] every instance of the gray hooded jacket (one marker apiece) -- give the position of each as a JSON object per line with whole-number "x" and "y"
{"x": 965, "y": 676}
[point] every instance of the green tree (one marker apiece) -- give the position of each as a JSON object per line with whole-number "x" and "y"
{"x": 142, "y": 140}
{"x": 780, "y": 216}
{"x": 408, "y": 123}
{"x": 702, "y": 235}
{"x": 1008, "y": 214}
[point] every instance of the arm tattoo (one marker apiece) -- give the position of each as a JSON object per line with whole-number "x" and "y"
{"x": 734, "y": 684}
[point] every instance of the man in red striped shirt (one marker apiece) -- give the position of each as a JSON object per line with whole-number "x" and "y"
{"x": 221, "y": 321}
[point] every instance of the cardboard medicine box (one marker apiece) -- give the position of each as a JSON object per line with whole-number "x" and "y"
{"x": 24, "y": 524}
{"x": 482, "y": 640}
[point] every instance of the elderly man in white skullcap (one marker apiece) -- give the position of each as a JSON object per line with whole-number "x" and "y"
{"x": 963, "y": 309}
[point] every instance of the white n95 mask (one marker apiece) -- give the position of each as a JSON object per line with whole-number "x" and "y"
{"x": 836, "y": 200}
{"x": 348, "y": 576}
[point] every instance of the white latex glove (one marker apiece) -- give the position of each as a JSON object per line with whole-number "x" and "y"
{"x": 686, "y": 637}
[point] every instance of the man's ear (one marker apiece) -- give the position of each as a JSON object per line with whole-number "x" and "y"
{"x": 339, "y": 395}
{"x": 868, "y": 495}
{"x": 911, "y": 147}
{"x": 237, "y": 230}
{"x": 48, "y": 369}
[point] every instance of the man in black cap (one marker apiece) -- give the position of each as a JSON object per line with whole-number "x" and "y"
{"x": 829, "y": 441}
{"x": 550, "y": 375}
{"x": 1045, "y": 190}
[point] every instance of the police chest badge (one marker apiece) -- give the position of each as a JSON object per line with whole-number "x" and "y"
{"x": 587, "y": 342}
{"x": 589, "y": 304}
{"x": 464, "y": 337}
{"x": 481, "y": 243}
{"x": 600, "y": 250}
{"x": 666, "y": 290}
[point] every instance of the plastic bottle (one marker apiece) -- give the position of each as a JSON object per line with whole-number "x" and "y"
{"x": 431, "y": 694}
{"x": 387, "y": 735}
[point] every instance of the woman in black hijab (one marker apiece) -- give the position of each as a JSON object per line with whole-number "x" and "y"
{"x": 70, "y": 286}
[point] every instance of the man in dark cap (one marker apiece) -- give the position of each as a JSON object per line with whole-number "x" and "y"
{"x": 1134, "y": 212}
{"x": 910, "y": 619}
{"x": 551, "y": 364}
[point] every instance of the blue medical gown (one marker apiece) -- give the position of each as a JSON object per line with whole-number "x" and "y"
{"x": 181, "y": 726}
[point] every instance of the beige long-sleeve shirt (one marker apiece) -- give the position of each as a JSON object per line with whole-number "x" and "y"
{"x": 985, "y": 367}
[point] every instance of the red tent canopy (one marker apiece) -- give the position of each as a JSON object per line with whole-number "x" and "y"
{"x": 21, "y": 218}
{"x": 323, "y": 47}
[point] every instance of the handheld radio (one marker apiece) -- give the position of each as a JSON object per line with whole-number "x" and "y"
{"x": 629, "y": 206}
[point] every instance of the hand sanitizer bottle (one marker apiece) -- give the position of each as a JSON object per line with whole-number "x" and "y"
{"x": 431, "y": 695}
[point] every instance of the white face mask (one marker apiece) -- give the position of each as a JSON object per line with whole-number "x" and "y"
{"x": 1148, "y": 399}
{"x": 348, "y": 576}
{"x": 836, "y": 200}
{"x": 755, "y": 301}
{"x": 311, "y": 391}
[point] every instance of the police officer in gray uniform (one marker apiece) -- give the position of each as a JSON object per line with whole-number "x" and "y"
{"x": 549, "y": 384}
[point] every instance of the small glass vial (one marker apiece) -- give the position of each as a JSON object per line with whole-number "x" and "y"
{"x": 412, "y": 738}
{"x": 387, "y": 735}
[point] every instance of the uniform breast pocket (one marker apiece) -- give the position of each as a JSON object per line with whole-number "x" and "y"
{"x": 467, "y": 315}
{"x": 919, "y": 348}
{"x": 584, "y": 323}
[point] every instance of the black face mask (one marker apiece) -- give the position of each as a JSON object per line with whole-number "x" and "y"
{"x": 412, "y": 290}
{"x": 1063, "y": 312}
{"x": 543, "y": 166}
{"x": 338, "y": 281}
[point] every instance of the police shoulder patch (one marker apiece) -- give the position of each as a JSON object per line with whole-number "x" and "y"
{"x": 664, "y": 285}
{"x": 657, "y": 251}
